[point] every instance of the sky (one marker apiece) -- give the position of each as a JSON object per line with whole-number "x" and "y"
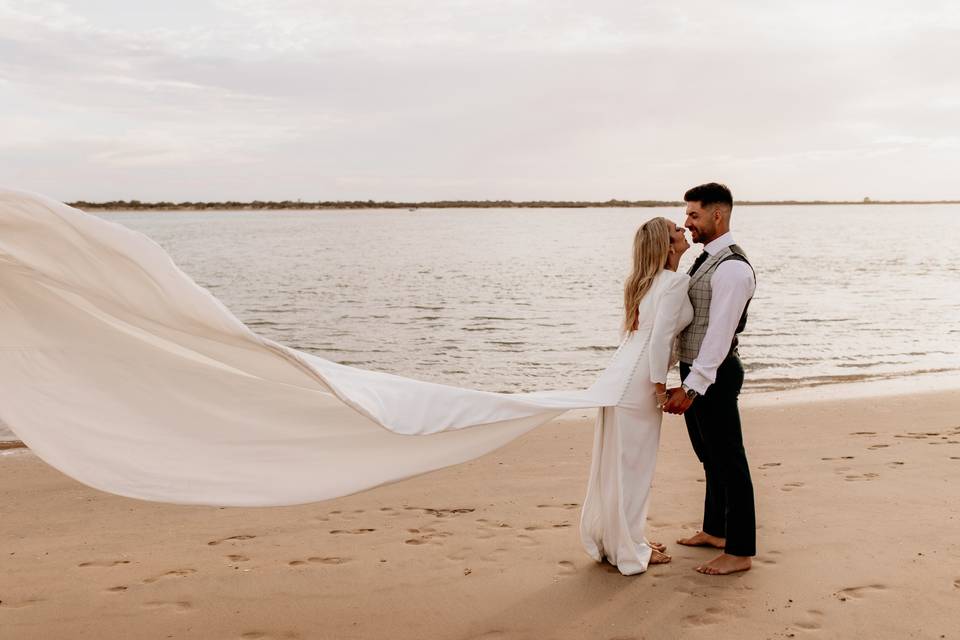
{"x": 479, "y": 99}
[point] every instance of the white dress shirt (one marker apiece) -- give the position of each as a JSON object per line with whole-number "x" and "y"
{"x": 733, "y": 285}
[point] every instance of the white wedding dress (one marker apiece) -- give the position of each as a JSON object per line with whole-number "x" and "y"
{"x": 121, "y": 372}
{"x": 627, "y": 432}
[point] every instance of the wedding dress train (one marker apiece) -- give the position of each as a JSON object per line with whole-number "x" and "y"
{"x": 121, "y": 372}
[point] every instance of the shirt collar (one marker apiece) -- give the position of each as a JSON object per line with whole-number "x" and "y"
{"x": 719, "y": 243}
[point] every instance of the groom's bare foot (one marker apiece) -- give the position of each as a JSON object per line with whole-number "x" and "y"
{"x": 725, "y": 564}
{"x": 701, "y": 539}
{"x": 659, "y": 557}
{"x": 657, "y": 546}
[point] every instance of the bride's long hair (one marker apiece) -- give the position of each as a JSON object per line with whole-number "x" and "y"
{"x": 651, "y": 248}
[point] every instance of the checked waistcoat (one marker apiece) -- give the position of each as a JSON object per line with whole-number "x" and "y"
{"x": 700, "y": 292}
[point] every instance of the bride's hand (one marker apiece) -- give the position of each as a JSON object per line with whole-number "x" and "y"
{"x": 662, "y": 397}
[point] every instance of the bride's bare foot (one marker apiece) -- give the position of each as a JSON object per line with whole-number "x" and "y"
{"x": 659, "y": 557}
{"x": 701, "y": 539}
{"x": 657, "y": 546}
{"x": 724, "y": 564}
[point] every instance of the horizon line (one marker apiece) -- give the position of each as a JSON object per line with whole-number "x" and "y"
{"x": 454, "y": 204}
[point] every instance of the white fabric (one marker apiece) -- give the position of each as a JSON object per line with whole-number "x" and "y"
{"x": 626, "y": 438}
{"x": 732, "y": 284}
{"x": 121, "y": 372}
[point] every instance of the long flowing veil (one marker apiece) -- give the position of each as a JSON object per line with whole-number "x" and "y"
{"x": 120, "y": 371}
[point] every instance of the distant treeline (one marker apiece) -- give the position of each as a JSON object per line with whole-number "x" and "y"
{"x": 128, "y": 205}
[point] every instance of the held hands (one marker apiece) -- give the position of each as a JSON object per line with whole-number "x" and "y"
{"x": 677, "y": 401}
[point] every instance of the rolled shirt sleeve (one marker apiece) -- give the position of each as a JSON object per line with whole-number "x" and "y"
{"x": 733, "y": 285}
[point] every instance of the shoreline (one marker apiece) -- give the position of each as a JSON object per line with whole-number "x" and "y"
{"x": 490, "y": 548}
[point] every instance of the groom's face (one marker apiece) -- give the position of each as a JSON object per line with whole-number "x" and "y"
{"x": 701, "y": 222}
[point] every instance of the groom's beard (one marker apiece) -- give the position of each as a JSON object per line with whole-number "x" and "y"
{"x": 700, "y": 238}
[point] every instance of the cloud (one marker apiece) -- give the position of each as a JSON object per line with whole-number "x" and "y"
{"x": 414, "y": 99}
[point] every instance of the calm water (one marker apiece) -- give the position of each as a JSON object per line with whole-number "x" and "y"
{"x": 510, "y": 300}
{"x": 523, "y": 300}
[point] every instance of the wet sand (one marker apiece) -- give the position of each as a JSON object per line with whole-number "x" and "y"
{"x": 859, "y": 536}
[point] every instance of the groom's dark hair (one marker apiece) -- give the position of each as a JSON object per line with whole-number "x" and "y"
{"x": 710, "y": 193}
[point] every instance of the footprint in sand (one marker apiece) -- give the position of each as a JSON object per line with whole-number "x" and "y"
{"x": 878, "y": 446}
{"x": 956, "y": 584}
{"x": 117, "y": 589}
{"x": 858, "y": 593}
{"x": 425, "y": 535}
{"x": 863, "y": 476}
{"x": 527, "y": 541}
{"x": 896, "y": 464}
{"x": 319, "y": 560}
{"x": 180, "y": 606}
{"x": 176, "y": 573}
{"x": 352, "y": 531}
{"x": 709, "y": 617}
{"x": 565, "y": 505}
{"x": 442, "y": 513}
{"x": 235, "y": 557}
{"x": 566, "y": 568}
{"x": 769, "y": 465}
{"x": 214, "y": 543}
{"x": 103, "y": 563}
{"x": 790, "y": 486}
{"x": 864, "y": 433}
{"x": 812, "y": 622}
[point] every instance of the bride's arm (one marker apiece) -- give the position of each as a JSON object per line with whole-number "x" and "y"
{"x": 668, "y": 311}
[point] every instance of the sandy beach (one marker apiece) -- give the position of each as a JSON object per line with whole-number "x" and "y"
{"x": 859, "y": 537}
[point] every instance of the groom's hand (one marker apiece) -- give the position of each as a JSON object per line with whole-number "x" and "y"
{"x": 677, "y": 401}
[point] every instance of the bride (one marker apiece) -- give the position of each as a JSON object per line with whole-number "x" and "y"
{"x": 627, "y": 433}
{"x": 120, "y": 371}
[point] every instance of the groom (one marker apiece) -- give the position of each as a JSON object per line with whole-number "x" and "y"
{"x": 722, "y": 283}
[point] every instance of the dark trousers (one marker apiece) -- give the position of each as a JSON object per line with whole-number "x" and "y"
{"x": 713, "y": 422}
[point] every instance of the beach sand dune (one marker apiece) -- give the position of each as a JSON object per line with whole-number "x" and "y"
{"x": 859, "y": 537}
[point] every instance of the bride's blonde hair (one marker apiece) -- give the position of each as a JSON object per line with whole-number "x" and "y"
{"x": 651, "y": 248}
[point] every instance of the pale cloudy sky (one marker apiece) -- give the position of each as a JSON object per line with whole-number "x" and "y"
{"x": 411, "y": 99}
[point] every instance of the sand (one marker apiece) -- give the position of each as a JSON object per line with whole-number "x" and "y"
{"x": 858, "y": 505}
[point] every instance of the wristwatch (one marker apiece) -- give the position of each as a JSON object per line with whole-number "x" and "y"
{"x": 691, "y": 393}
